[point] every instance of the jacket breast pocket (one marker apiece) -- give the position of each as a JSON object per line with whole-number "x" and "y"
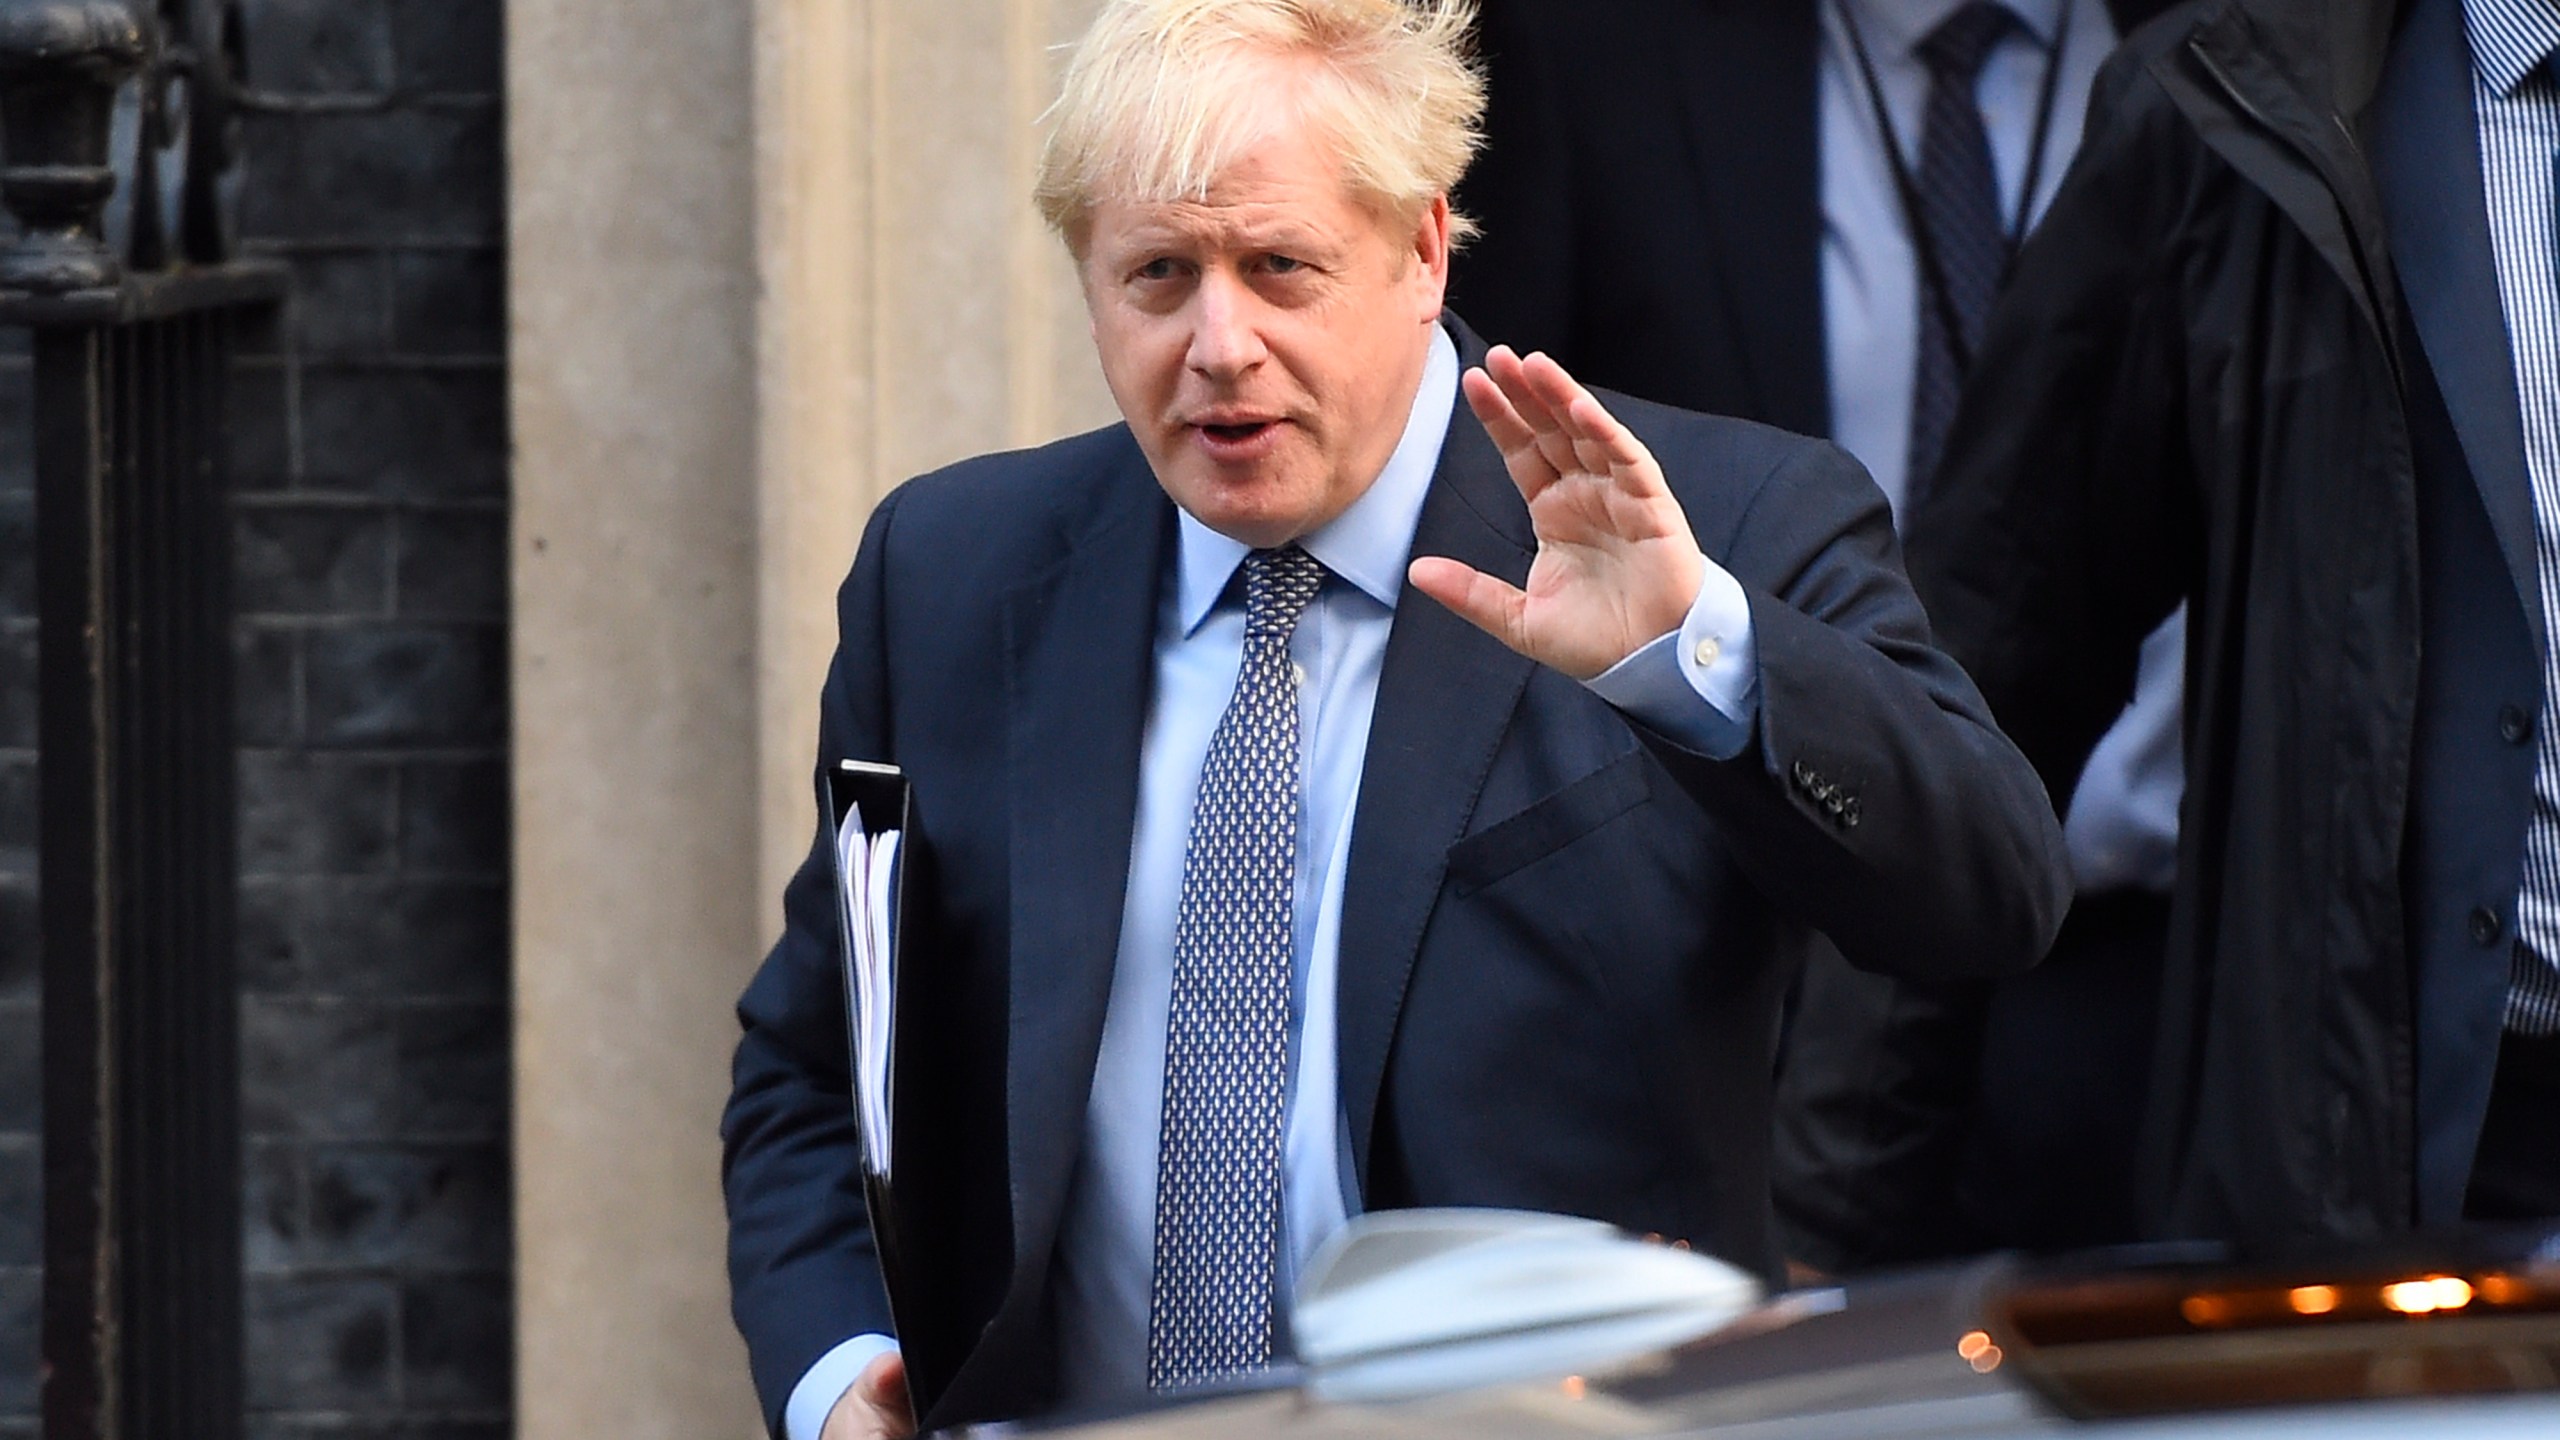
{"x": 1550, "y": 824}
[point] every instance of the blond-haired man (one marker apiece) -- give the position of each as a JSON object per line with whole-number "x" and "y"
{"x": 1322, "y": 805}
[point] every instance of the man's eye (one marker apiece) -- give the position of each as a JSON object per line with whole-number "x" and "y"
{"x": 1283, "y": 264}
{"x": 1160, "y": 268}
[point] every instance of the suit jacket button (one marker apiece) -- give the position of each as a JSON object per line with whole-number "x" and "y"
{"x": 2514, "y": 726}
{"x": 2485, "y": 926}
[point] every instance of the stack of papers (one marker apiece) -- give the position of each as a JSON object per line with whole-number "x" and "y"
{"x": 866, "y": 880}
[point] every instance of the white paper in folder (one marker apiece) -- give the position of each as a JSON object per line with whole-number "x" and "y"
{"x": 867, "y": 885}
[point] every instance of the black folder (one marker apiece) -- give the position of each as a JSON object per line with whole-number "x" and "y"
{"x": 879, "y": 794}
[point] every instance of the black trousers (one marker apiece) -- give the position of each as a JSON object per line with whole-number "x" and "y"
{"x": 2066, "y": 1070}
{"x": 2516, "y": 1175}
{"x": 1916, "y": 1122}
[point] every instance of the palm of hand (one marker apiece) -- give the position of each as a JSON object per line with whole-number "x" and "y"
{"x": 1613, "y": 571}
{"x": 1616, "y": 565}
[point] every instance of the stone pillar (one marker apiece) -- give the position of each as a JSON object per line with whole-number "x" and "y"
{"x": 631, "y": 280}
{"x": 764, "y": 262}
{"x": 915, "y": 310}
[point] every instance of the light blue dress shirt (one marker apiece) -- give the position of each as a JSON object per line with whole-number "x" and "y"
{"x": 2122, "y": 826}
{"x": 1698, "y": 686}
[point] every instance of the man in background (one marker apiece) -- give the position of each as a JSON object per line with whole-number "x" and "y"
{"x": 1800, "y": 213}
{"x": 2288, "y": 351}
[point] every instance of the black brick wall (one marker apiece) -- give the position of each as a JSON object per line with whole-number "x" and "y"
{"x": 370, "y": 524}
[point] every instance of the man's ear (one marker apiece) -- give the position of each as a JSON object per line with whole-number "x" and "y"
{"x": 1431, "y": 254}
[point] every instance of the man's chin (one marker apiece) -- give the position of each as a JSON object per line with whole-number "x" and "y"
{"x": 1255, "y": 533}
{"x": 1259, "y": 506}
{"x": 1258, "y": 522}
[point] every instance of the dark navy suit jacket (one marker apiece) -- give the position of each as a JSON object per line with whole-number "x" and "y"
{"x": 2480, "y": 679}
{"x": 1563, "y": 942}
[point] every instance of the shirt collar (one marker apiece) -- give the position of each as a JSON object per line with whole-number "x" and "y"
{"x": 1896, "y": 27}
{"x": 2510, "y": 39}
{"x": 1367, "y": 544}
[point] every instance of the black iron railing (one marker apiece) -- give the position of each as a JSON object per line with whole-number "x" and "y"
{"x": 117, "y": 141}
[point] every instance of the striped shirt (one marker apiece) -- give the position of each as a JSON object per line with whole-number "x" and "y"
{"x": 2519, "y": 108}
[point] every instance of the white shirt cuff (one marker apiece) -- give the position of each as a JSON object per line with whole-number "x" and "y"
{"x": 815, "y": 1397}
{"x": 1700, "y": 684}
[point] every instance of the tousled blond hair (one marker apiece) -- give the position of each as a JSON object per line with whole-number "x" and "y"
{"x": 1158, "y": 99}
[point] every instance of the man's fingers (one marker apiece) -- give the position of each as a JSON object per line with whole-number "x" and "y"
{"x": 1502, "y": 367}
{"x": 1555, "y": 389}
{"x": 1494, "y": 412}
{"x": 1508, "y": 370}
{"x": 1491, "y": 605}
{"x": 884, "y": 1381}
{"x": 1614, "y": 446}
{"x": 1530, "y": 469}
{"x": 1547, "y": 425}
{"x": 882, "y": 1390}
{"x": 1601, "y": 445}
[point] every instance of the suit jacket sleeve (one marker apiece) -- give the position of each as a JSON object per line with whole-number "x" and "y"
{"x": 2057, "y": 536}
{"x": 1879, "y": 804}
{"x": 803, "y": 1274}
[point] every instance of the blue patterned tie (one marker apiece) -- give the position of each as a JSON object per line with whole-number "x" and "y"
{"x": 1226, "y": 1051}
{"x": 1960, "y": 206}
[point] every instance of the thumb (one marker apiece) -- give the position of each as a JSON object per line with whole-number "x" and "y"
{"x": 1493, "y": 606}
{"x": 883, "y": 1387}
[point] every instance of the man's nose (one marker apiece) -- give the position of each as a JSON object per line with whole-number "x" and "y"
{"x": 1226, "y": 337}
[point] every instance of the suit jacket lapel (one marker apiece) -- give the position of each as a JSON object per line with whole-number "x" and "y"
{"x": 2426, "y": 160}
{"x": 1079, "y": 641}
{"x": 1746, "y": 72}
{"x": 1445, "y": 695}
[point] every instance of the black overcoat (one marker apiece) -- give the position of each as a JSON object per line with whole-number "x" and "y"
{"x": 2253, "y": 360}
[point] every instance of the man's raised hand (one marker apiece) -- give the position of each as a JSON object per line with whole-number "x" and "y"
{"x": 1616, "y": 567}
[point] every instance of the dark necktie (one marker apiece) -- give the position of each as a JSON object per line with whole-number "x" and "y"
{"x": 1960, "y": 209}
{"x": 1226, "y": 1053}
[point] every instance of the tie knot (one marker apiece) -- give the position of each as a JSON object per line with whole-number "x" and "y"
{"x": 1278, "y": 584}
{"x": 1956, "y": 49}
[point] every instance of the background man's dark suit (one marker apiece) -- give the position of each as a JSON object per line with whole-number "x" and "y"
{"x": 1651, "y": 182}
{"x": 1651, "y": 192}
{"x": 2471, "y": 786}
{"x": 1563, "y": 942}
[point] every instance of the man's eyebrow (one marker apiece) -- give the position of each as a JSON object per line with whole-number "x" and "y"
{"x": 1281, "y": 235}
{"x": 1155, "y": 234}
